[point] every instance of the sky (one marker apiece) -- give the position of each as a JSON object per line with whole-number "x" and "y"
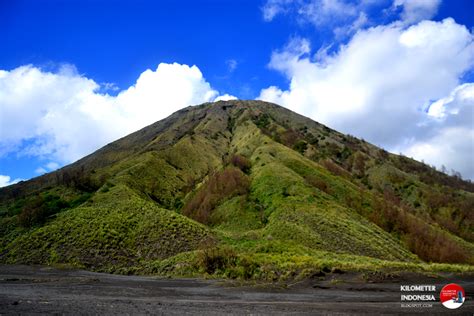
{"x": 76, "y": 75}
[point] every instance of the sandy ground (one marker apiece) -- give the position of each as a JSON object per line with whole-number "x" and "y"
{"x": 45, "y": 290}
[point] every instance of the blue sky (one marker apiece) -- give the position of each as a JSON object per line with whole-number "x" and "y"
{"x": 75, "y": 75}
{"x": 115, "y": 41}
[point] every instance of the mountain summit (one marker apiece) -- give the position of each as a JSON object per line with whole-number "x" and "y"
{"x": 242, "y": 189}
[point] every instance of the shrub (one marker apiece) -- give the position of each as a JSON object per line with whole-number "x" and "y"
{"x": 343, "y": 154}
{"x": 428, "y": 242}
{"x": 300, "y": 146}
{"x": 432, "y": 245}
{"x": 313, "y": 140}
{"x": 318, "y": 183}
{"x": 436, "y": 200}
{"x": 290, "y": 137}
{"x": 33, "y": 212}
{"x": 359, "y": 164}
{"x": 241, "y": 162}
{"x": 78, "y": 178}
{"x": 37, "y": 210}
{"x": 334, "y": 168}
{"x": 383, "y": 155}
{"x": 215, "y": 259}
{"x": 223, "y": 260}
{"x": 81, "y": 199}
{"x": 262, "y": 121}
{"x": 221, "y": 185}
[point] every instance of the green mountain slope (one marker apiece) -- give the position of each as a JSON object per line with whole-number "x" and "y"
{"x": 240, "y": 189}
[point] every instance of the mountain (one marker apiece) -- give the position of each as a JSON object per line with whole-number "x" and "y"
{"x": 242, "y": 189}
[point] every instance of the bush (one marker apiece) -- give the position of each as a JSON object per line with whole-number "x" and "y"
{"x": 241, "y": 162}
{"x": 432, "y": 245}
{"x": 290, "y": 137}
{"x": 334, "y": 168}
{"x": 300, "y": 146}
{"x": 318, "y": 183}
{"x": 429, "y": 243}
{"x": 313, "y": 140}
{"x": 212, "y": 258}
{"x": 33, "y": 212}
{"x": 358, "y": 166}
{"x": 222, "y": 185}
{"x": 262, "y": 121}
{"x": 37, "y": 210}
{"x": 223, "y": 260}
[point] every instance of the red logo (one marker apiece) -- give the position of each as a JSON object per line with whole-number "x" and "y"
{"x": 452, "y": 296}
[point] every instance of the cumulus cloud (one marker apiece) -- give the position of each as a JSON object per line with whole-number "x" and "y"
{"x": 5, "y": 180}
{"x": 451, "y": 141}
{"x": 380, "y": 85}
{"x": 62, "y": 116}
{"x": 225, "y": 97}
{"x": 416, "y": 10}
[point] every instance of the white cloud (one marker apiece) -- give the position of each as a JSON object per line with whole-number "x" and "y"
{"x": 231, "y": 64}
{"x": 346, "y": 17}
{"x": 50, "y": 166}
{"x": 450, "y": 146}
{"x": 414, "y": 11}
{"x": 5, "y": 181}
{"x": 40, "y": 170}
{"x": 317, "y": 12}
{"x": 106, "y": 86}
{"x": 225, "y": 97}
{"x": 451, "y": 141}
{"x": 361, "y": 21}
{"x": 452, "y": 106}
{"x": 62, "y": 116}
{"x": 274, "y": 7}
{"x": 343, "y": 17}
{"x": 379, "y": 85}
{"x": 320, "y": 12}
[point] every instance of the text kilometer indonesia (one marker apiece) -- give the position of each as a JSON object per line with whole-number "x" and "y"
{"x": 417, "y": 288}
{"x": 418, "y": 297}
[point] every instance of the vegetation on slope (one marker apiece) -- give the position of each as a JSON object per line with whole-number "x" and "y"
{"x": 114, "y": 230}
{"x": 240, "y": 189}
